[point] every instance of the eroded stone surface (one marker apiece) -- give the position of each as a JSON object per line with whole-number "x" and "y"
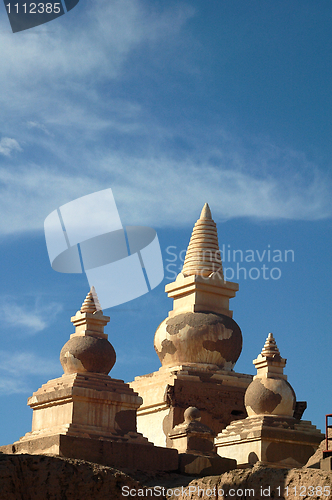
{"x": 279, "y": 441}
{"x": 219, "y": 395}
{"x": 25, "y": 477}
{"x": 85, "y": 413}
{"x": 261, "y": 399}
{"x": 315, "y": 459}
{"x": 269, "y": 393}
{"x": 260, "y": 483}
{"x": 199, "y": 338}
{"x": 270, "y": 434}
{"x": 87, "y": 354}
{"x": 191, "y": 435}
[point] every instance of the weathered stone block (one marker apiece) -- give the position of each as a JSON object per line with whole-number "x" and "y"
{"x": 204, "y": 465}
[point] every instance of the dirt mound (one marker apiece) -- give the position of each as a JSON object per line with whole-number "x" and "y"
{"x": 259, "y": 483}
{"x": 40, "y": 477}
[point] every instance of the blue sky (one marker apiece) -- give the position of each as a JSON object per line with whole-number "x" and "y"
{"x": 171, "y": 104}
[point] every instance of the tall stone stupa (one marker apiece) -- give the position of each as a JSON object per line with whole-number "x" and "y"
{"x": 198, "y": 345}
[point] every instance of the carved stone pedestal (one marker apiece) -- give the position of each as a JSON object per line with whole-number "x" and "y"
{"x": 195, "y": 444}
{"x": 218, "y": 394}
{"x": 274, "y": 441}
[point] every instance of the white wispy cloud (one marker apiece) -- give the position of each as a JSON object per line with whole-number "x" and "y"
{"x": 8, "y": 145}
{"x": 39, "y": 126}
{"x": 40, "y": 68}
{"x": 17, "y": 368}
{"x": 28, "y": 319}
{"x": 142, "y": 197}
{"x": 80, "y": 136}
{"x": 29, "y": 194}
{"x": 58, "y": 77}
{"x": 26, "y": 363}
{"x": 12, "y": 385}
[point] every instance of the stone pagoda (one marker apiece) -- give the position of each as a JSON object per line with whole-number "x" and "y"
{"x": 198, "y": 345}
{"x": 272, "y": 434}
{"x": 85, "y": 413}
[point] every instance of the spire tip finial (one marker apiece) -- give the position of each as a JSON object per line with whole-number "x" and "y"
{"x": 91, "y": 303}
{"x": 270, "y": 347}
{"x": 206, "y": 212}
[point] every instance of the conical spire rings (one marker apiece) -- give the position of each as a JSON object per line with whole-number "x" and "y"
{"x": 270, "y": 347}
{"x": 91, "y": 303}
{"x": 203, "y": 254}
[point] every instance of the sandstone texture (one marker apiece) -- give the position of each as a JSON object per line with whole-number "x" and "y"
{"x": 259, "y": 483}
{"x": 198, "y": 345}
{"x": 199, "y": 337}
{"x": 270, "y": 435}
{"x": 86, "y": 414}
{"x": 41, "y": 477}
{"x": 318, "y": 455}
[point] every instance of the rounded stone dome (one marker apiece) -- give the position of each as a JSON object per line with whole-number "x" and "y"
{"x": 87, "y": 354}
{"x": 192, "y": 413}
{"x": 199, "y": 337}
{"x": 270, "y": 396}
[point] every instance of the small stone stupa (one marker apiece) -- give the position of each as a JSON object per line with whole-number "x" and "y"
{"x": 195, "y": 444}
{"x": 198, "y": 345}
{"x": 85, "y": 413}
{"x": 271, "y": 434}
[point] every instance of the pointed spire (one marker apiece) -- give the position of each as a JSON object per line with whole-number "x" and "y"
{"x": 203, "y": 254}
{"x": 91, "y": 303}
{"x": 269, "y": 362}
{"x": 270, "y": 347}
{"x": 206, "y": 212}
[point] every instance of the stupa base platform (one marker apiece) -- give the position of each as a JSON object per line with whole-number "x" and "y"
{"x": 91, "y": 405}
{"x": 118, "y": 454}
{"x": 91, "y": 416}
{"x": 273, "y": 441}
{"x": 218, "y": 394}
